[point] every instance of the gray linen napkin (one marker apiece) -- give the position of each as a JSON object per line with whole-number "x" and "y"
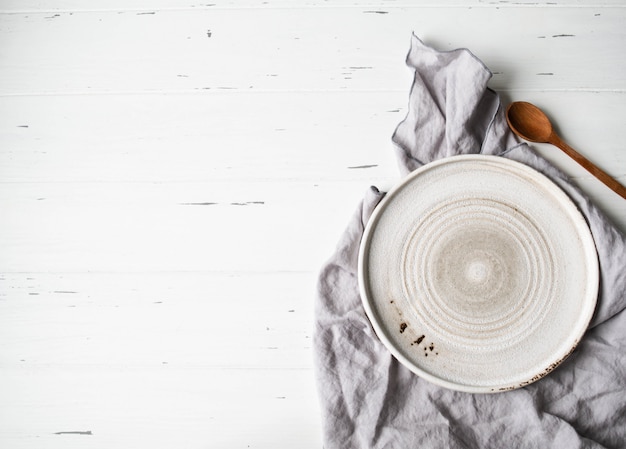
{"x": 369, "y": 400}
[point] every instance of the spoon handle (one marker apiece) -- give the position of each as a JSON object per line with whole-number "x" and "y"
{"x": 588, "y": 165}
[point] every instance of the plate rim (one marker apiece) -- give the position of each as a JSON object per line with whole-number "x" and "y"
{"x": 579, "y": 221}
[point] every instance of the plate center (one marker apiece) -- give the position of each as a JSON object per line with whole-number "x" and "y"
{"x": 477, "y": 271}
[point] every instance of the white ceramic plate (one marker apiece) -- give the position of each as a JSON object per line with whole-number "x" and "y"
{"x": 478, "y": 273}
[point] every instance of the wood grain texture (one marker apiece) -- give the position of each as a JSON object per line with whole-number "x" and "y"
{"x": 174, "y": 173}
{"x": 308, "y": 48}
{"x": 531, "y": 124}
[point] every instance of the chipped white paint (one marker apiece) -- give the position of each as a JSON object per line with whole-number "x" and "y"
{"x": 172, "y": 175}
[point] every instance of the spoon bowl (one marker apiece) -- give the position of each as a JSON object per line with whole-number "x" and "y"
{"x": 530, "y": 123}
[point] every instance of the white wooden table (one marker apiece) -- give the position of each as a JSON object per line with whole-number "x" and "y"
{"x": 174, "y": 173}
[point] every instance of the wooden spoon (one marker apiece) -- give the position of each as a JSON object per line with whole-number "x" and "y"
{"x": 530, "y": 123}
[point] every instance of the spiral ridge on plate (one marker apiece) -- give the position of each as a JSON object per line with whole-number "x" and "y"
{"x": 479, "y": 272}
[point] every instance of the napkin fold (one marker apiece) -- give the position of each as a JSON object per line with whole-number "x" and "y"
{"x": 369, "y": 400}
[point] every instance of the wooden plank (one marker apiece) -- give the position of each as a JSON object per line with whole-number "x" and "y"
{"x": 279, "y": 49}
{"x": 380, "y": 6}
{"x": 172, "y": 227}
{"x": 104, "y": 407}
{"x": 198, "y": 138}
{"x": 180, "y": 321}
